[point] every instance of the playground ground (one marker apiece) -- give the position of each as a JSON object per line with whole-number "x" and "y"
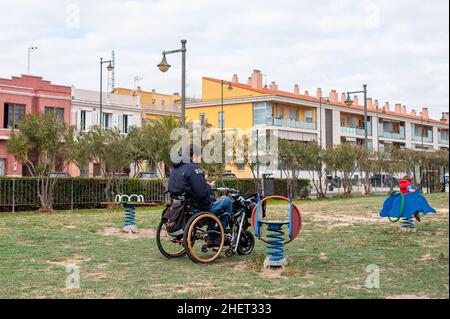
{"x": 340, "y": 239}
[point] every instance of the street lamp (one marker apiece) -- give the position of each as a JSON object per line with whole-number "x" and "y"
{"x": 110, "y": 67}
{"x": 229, "y": 88}
{"x": 32, "y": 48}
{"x": 349, "y": 102}
{"x": 327, "y": 100}
{"x": 164, "y": 66}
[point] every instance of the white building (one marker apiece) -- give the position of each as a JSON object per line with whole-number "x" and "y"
{"x": 120, "y": 111}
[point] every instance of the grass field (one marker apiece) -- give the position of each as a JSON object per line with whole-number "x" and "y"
{"x": 340, "y": 238}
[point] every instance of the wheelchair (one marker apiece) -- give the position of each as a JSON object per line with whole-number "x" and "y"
{"x": 204, "y": 238}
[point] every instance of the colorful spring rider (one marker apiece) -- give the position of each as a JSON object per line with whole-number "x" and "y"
{"x": 398, "y": 206}
{"x": 276, "y": 239}
{"x": 129, "y": 202}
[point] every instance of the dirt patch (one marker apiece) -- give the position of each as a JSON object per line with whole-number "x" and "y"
{"x": 323, "y": 256}
{"x": 4, "y": 231}
{"x": 426, "y": 257}
{"x": 408, "y": 297}
{"x": 443, "y": 210}
{"x": 70, "y": 226}
{"x": 117, "y": 232}
{"x": 241, "y": 267}
{"x": 74, "y": 260}
{"x": 272, "y": 273}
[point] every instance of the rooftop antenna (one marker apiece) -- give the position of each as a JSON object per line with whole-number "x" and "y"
{"x": 113, "y": 72}
{"x": 137, "y": 78}
{"x": 31, "y": 48}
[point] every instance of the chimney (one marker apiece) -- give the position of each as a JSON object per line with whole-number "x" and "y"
{"x": 235, "y": 79}
{"x": 444, "y": 117}
{"x": 176, "y": 94}
{"x": 343, "y": 97}
{"x": 249, "y": 81}
{"x": 256, "y": 80}
{"x": 386, "y": 107}
{"x": 319, "y": 93}
{"x": 369, "y": 103}
{"x": 307, "y": 93}
{"x": 355, "y": 101}
{"x": 153, "y": 91}
{"x": 404, "y": 109}
{"x": 425, "y": 113}
{"x": 296, "y": 89}
{"x": 376, "y": 105}
{"x": 398, "y": 108}
{"x": 333, "y": 96}
{"x": 413, "y": 112}
{"x": 273, "y": 86}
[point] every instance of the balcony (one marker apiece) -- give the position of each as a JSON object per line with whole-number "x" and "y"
{"x": 356, "y": 131}
{"x": 443, "y": 141}
{"x": 425, "y": 139}
{"x": 394, "y": 136}
{"x": 291, "y": 123}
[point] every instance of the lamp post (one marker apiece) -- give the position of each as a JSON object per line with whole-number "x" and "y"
{"x": 349, "y": 102}
{"x": 327, "y": 100}
{"x": 229, "y": 88}
{"x": 32, "y": 48}
{"x": 109, "y": 68}
{"x": 164, "y": 67}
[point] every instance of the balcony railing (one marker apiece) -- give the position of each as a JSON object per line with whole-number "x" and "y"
{"x": 355, "y": 131}
{"x": 292, "y": 123}
{"x": 443, "y": 141}
{"x": 425, "y": 139}
{"x": 394, "y": 136}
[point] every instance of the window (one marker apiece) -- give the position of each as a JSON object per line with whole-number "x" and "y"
{"x": 83, "y": 120}
{"x": 262, "y": 113}
{"x": 2, "y": 167}
{"x": 221, "y": 121}
{"x": 280, "y": 113}
{"x": 308, "y": 116}
{"x": 293, "y": 114}
{"x": 153, "y": 104}
{"x": 240, "y": 167}
{"x": 13, "y": 113}
{"x": 202, "y": 118}
{"x": 58, "y": 110}
{"x": 125, "y": 123}
{"x": 107, "y": 120}
{"x": 163, "y": 104}
{"x": 84, "y": 171}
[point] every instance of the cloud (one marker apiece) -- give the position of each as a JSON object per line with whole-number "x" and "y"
{"x": 399, "y": 48}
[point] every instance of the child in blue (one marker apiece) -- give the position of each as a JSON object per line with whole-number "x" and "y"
{"x": 407, "y": 186}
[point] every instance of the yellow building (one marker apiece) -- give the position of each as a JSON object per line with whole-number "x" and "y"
{"x": 154, "y": 104}
{"x": 254, "y": 105}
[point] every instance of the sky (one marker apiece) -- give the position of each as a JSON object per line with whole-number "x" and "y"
{"x": 399, "y": 48}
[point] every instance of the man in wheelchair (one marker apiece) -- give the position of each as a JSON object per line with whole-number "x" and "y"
{"x": 188, "y": 178}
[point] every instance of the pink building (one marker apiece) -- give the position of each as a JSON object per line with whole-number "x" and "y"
{"x": 27, "y": 95}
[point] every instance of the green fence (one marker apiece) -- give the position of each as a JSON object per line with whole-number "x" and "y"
{"x": 20, "y": 194}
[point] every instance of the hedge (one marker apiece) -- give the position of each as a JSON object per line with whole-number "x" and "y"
{"x": 20, "y": 193}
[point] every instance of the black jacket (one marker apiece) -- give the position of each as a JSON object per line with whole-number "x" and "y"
{"x": 188, "y": 178}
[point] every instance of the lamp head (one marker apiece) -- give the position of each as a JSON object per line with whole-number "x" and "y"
{"x": 348, "y": 101}
{"x": 164, "y": 66}
{"x": 110, "y": 67}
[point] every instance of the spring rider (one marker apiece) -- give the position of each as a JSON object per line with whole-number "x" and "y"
{"x": 275, "y": 239}
{"x": 129, "y": 202}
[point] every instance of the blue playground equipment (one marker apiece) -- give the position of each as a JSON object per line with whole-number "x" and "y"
{"x": 129, "y": 202}
{"x": 398, "y": 206}
{"x": 275, "y": 238}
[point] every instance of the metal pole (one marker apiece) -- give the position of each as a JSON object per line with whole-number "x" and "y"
{"x": 13, "y": 195}
{"x": 365, "y": 118}
{"x": 101, "y": 95}
{"x": 28, "y": 65}
{"x": 221, "y": 107}
{"x": 320, "y": 121}
{"x": 183, "y": 82}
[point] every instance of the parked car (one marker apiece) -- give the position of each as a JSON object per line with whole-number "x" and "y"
{"x": 227, "y": 175}
{"x": 383, "y": 180}
{"x": 60, "y": 174}
{"x": 121, "y": 175}
{"x": 146, "y": 175}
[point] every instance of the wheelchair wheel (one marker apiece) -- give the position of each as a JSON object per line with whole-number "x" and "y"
{"x": 246, "y": 243}
{"x": 169, "y": 246}
{"x": 203, "y": 227}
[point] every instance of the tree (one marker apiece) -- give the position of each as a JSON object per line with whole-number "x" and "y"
{"x": 40, "y": 145}
{"x": 367, "y": 163}
{"x": 314, "y": 161}
{"x": 291, "y": 161}
{"x": 111, "y": 150}
{"x": 345, "y": 158}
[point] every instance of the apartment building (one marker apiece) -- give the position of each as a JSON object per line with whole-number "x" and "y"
{"x": 304, "y": 116}
{"x": 118, "y": 111}
{"x": 23, "y": 95}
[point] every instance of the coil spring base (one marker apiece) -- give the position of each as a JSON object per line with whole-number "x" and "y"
{"x": 275, "y": 254}
{"x": 130, "y": 218}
